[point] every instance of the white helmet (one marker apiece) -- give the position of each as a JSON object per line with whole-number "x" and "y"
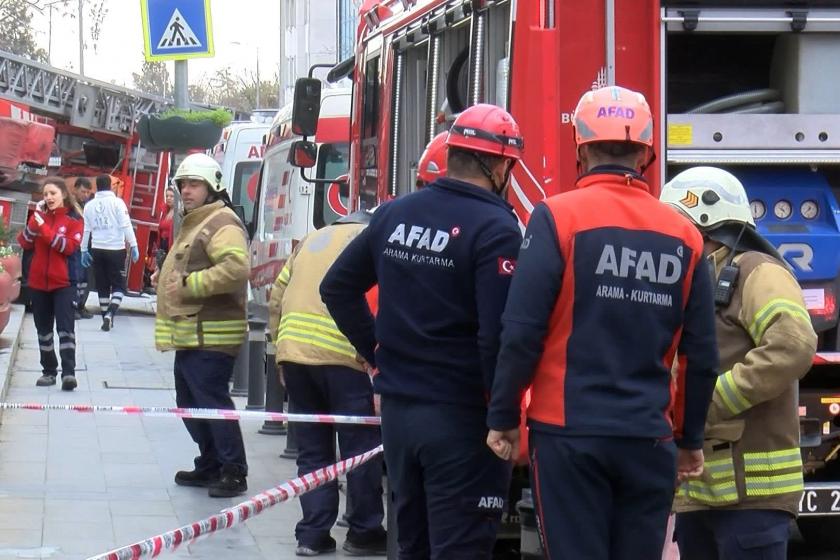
{"x": 709, "y": 196}
{"x": 203, "y": 168}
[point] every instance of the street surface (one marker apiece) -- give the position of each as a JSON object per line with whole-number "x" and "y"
{"x": 73, "y": 485}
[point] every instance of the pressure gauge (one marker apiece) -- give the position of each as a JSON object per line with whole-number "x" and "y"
{"x": 809, "y": 209}
{"x": 758, "y": 209}
{"x": 783, "y": 210}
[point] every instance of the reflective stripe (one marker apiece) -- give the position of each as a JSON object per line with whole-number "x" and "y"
{"x": 773, "y": 485}
{"x": 232, "y": 325}
{"x": 710, "y": 493}
{"x": 773, "y": 309}
{"x": 320, "y": 342}
{"x": 773, "y": 461}
{"x": 316, "y": 330}
{"x": 730, "y": 394}
{"x": 721, "y": 468}
{"x": 229, "y": 251}
{"x": 214, "y": 333}
{"x": 285, "y": 275}
{"x": 194, "y": 283}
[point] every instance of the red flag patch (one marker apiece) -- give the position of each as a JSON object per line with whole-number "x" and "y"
{"x": 506, "y": 266}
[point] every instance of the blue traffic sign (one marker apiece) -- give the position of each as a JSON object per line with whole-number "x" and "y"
{"x": 176, "y": 29}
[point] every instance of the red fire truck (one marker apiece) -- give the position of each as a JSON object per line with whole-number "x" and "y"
{"x": 745, "y": 85}
{"x": 94, "y": 125}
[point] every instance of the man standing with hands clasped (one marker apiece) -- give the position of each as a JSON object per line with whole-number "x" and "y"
{"x": 610, "y": 286}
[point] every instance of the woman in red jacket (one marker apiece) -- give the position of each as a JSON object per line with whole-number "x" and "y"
{"x": 54, "y": 237}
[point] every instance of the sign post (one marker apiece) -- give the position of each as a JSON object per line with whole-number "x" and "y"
{"x": 177, "y": 30}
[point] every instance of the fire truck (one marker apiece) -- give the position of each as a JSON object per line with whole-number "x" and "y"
{"x": 94, "y": 125}
{"x": 747, "y": 85}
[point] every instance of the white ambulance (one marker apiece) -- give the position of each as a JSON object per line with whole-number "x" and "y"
{"x": 240, "y": 152}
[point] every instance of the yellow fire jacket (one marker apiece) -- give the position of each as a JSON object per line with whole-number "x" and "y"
{"x": 202, "y": 285}
{"x": 299, "y": 323}
{"x": 766, "y": 345}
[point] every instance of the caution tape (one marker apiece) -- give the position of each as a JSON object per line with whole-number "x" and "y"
{"x": 197, "y": 413}
{"x": 235, "y": 515}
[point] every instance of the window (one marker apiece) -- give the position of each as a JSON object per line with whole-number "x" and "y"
{"x": 347, "y": 23}
{"x": 329, "y": 199}
{"x": 370, "y": 140}
{"x": 244, "y": 188}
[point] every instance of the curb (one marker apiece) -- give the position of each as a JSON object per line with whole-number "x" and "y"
{"x": 9, "y": 344}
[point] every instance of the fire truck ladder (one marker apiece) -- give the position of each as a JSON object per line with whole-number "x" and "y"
{"x": 81, "y": 101}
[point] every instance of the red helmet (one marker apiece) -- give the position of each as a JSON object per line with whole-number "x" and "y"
{"x": 613, "y": 113}
{"x": 488, "y": 129}
{"x": 432, "y": 164}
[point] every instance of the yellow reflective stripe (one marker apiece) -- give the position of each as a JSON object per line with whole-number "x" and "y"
{"x": 721, "y": 468}
{"x": 730, "y": 394}
{"x": 772, "y": 309}
{"x": 230, "y": 323}
{"x": 323, "y": 321}
{"x": 773, "y": 460}
{"x": 316, "y": 340}
{"x": 285, "y": 275}
{"x": 194, "y": 283}
{"x": 773, "y": 485}
{"x": 238, "y": 251}
{"x": 710, "y": 493}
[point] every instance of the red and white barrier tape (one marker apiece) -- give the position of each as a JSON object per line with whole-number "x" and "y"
{"x": 199, "y": 413}
{"x": 235, "y": 515}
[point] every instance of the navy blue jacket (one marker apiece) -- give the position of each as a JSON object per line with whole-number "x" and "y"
{"x": 443, "y": 258}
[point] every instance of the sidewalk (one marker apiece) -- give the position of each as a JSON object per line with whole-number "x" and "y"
{"x": 74, "y": 485}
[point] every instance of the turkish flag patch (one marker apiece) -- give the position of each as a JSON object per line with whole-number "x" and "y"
{"x": 506, "y": 266}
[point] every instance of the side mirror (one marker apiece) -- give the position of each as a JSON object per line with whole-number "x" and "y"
{"x": 303, "y": 154}
{"x": 306, "y": 106}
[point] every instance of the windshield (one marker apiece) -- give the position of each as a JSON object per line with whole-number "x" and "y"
{"x": 244, "y": 188}
{"x": 331, "y": 201}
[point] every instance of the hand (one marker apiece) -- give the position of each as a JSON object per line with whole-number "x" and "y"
{"x": 135, "y": 254}
{"x": 377, "y": 404}
{"x": 173, "y": 286}
{"x": 504, "y": 444}
{"x": 41, "y": 206}
{"x": 689, "y": 464}
{"x": 38, "y": 219}
{"x": 154, "y": 278}
{"x": 87, "y": 259}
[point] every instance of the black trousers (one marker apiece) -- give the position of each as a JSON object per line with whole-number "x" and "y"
{"x": 201, "y": 381}
{"x": 50, "y": 310}
{"x": 109, "y": 272}
{"x": 83, "y": 288}
{"x": 602, "y": 498}
{"x": 335, "y": 390}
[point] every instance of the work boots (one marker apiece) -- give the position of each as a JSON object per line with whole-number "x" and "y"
{"x": 202, "y": 479}
{"x": 232, "y": 483}
{"x": 45, "y": 380}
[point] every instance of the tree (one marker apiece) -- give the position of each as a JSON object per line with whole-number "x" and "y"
{"x": 153, "y": 78}
{"x": 16, "y": 30}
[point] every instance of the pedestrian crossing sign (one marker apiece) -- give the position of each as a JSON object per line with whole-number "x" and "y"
{"x": 176, "y": 29}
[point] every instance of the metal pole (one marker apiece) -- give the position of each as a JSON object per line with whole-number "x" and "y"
{"x": 256, "y": 364}
{"x": 182, "y": 94}
{"x": 240, "y": 372}
{"x": 291, "y": 451}
{"x": 81, "y": 39}
{"x": 258, "y": 79}
{"x": 275, "y": 393}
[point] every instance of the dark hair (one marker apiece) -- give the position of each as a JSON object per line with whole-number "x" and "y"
{"x": 614, "y": 149}
{"x": 103, "y": 182}
{"x": 82, "y": 183}
{"x": 69, "y": 200}
{"x": 464, "y": 163}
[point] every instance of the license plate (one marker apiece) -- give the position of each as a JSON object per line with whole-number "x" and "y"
{"x": 820, "y": 500}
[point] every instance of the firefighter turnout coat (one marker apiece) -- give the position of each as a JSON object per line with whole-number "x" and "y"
{"x": 766, "y": 345}
{"x": 202, "y": 288}
{"x": 299, "y": 322}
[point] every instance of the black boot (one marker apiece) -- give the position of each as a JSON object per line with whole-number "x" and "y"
{"x": 202, "y": 479}
{"x": 232, "y": 483}
{"x": 374, "y": 543}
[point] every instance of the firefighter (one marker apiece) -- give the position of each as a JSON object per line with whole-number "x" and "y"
{"x": 201, "y": 314}
{"x": 742, "y": 506}
{"x": 324, "y": 374}
{"x": 432, "y": 164}
{"x": 53, "y": 236}
{"x": 609, "y": 283}
{"x": 443, "y": 258}
{"x": 108, "y": 229}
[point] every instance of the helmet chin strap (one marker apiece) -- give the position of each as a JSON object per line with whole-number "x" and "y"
{"x": 498, "y": 189}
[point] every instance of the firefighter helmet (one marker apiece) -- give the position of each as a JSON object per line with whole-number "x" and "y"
{"x": 432, "y": 164}
{"x": 201, "y": 167}
{"x": 709, "y": 196}
{"x": 613, "y": 113}
{"x": 487, "y": 129}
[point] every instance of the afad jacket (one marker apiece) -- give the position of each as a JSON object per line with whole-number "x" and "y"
{"x": 53, "y": 244}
